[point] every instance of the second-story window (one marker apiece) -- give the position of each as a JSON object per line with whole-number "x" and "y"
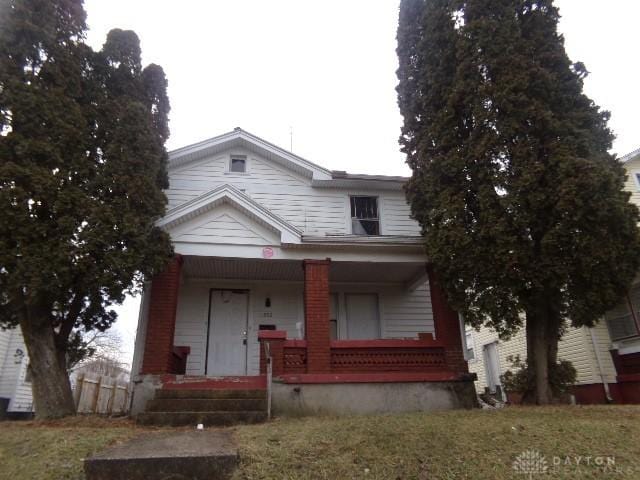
{"x": 364, "y": 216}
{"x": 238, "y": 164}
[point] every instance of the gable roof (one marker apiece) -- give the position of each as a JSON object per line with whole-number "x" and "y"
{"x": 228, "y": 194}
{"x": 321, "y": 177}
{"x": 630, "y": 156}
{"x": 241, "y": 138}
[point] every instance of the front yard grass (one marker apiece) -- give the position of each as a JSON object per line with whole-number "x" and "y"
{"x": 55, "y": 450}
{"x": 446, "y": 445}
{"x": 436, "y": 446}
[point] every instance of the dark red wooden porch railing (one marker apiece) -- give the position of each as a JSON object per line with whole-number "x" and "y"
{"x": 368, "y": 356}
{"x": 422, "y": 355}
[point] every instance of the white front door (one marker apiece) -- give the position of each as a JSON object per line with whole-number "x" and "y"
{"x": 492, "y": 366}
{"x": 363, "y": 321}
{"x": 227, "y": 340}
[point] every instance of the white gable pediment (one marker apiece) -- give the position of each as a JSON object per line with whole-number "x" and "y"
{"x": 215, "y": 168}
{"x": 239, "y": 138}
{"x": 227, "y": 215}
{"x": 224, "y": 225}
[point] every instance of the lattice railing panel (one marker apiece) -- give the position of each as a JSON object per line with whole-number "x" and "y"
{"x": 295, "y": 360}
{"x": 388, "y": 359}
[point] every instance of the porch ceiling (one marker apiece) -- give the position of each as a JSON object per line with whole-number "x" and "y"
{"x": 291, "y": 270}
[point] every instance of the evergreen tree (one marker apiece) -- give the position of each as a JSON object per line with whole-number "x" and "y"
{"x": 521, "y": 205}
{"x": 82, "y": 167}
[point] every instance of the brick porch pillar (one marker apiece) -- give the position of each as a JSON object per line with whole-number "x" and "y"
{"x": 316, "y": 315}
{"x": 447, "y": 324}
{"x": 161, "y": 321}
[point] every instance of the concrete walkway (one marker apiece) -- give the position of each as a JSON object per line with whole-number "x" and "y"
{"x": 191, "y": 455}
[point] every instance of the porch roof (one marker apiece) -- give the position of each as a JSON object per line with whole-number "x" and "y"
{"x": 405, "y": 273}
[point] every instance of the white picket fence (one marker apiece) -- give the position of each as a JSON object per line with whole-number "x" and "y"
{"x": 95, "y": 393}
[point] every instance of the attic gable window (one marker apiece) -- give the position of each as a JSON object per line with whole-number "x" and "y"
{"x": 364, "y": 216}
{"x": 238, "y": 164}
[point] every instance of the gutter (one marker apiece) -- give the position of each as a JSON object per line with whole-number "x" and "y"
{"x": 605, "y": 385}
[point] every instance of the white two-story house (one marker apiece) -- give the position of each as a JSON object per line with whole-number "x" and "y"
{"x": 323, "y": 272}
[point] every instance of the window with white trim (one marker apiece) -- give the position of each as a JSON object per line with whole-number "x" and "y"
{"x": 364, "y": 215}
{"x": 470, "y": 354}
{"x": 238, "y": 164}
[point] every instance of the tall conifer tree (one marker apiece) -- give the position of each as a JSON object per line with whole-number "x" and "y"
{"x": 521, "y": 205}
{"x": 82, "y": 167}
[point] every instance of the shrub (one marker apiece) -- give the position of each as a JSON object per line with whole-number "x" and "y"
{"x": 562, "y": 376}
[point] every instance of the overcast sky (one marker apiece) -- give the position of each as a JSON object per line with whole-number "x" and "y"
{"x": 326, "y": 69}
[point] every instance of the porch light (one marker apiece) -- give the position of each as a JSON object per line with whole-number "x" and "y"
{"x": 267, "y": 302}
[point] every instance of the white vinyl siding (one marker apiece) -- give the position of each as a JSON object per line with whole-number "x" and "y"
{"x": 191, "y": 324}
{"x": 603, "y": 345}
{"x": 288, "y": 195}
{"x": 4, "y": 347}
{"x": 396, "y": 215}
{"x": 224, "y": 225}
{"x": 406, "y": 314}
{"x": 514, "y": 346}
{"x": 13, "y": 372}
{"x": 403, "y": 314}
{"x": 633, "y": 168}
{"x": 305, "y": 209}
{"x": 576, "y": 346}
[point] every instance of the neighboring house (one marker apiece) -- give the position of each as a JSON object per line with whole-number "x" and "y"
{"x": 325, "y": 267}
{"x": 15, "y": 387}
{"x": 606, "y": 357}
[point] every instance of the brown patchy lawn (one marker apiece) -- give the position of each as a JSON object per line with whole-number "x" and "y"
{"x": 436, "y": 446}
{"x": 474, "y": 445}
{"x": 55, "y": 450}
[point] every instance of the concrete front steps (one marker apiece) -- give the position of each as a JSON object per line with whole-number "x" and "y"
{"x": 211, "y": 407}
{"x": 192, "y": 455}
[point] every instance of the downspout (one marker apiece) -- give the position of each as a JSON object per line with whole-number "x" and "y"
{"x": 605, "y": 385}
{"x": 633, "y": 313}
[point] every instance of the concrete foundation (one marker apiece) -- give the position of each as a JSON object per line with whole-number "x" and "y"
{"x": 370, "y": 398}
{"x": 344, "y": 398}
{"x": 144, "y": 389}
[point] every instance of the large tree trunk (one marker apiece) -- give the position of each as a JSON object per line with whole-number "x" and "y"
{"x": 542, "y": 328}
{"x": 50, "y": 384}
{"x": 538, "y": 358}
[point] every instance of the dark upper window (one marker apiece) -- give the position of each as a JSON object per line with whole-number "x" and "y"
{"x": 623, "y": 326}
{"x": 364, "y": 216}
{"x": 238, "y": 164}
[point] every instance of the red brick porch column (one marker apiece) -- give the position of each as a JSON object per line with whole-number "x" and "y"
{"x": 447, "y": 324}
{"x": 161, "y": 322}
{"x": 316, "y": 315}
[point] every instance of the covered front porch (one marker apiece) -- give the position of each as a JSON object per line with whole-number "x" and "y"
{"x": 320, "y": 320}
{"x": 339, "y": 324}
